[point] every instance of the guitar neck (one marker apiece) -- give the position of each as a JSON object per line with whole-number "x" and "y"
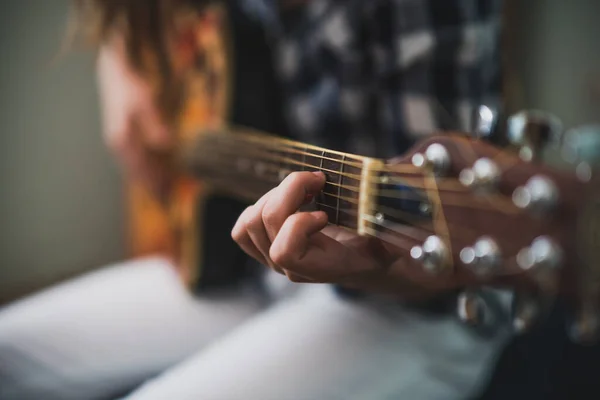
{"x": 247, "y": 165}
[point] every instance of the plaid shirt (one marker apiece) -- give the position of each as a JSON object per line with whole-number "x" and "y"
{"x": 371, "y": 76}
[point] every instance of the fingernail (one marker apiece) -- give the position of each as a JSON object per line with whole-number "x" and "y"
{"x": 320, "y": 174}
{"x": 318, "y": 214}
{"x": 309, "y": 197}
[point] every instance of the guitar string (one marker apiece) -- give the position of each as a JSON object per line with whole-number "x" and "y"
{"x": 273, "y": 142}
{"x": 403, "y": 215}
{"x": 352, "y": 212}
{"x": 453, "y": 184}
{"x": 387, "y": 212}
{"x": 440, "y": 224}
{"x": 413, "y": 237}
{"x": 475, "y": 202}
{"x": 378, "y": 234}
{"x": 395, "y": 168}
{"x": 398, "y": 232}
{"x": 506, "y": 207}
{"x": 276, "y": 144}
{"x": 297, "y": 149}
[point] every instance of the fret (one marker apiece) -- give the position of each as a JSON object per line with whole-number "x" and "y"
{"x": 313, "y": 160}
{"x": 339, "y": 202}
{"x": 322, "y": 158}
{"x": 349, "y": 188}
{"x": 337, "y": 209}
{"x": 256, "y": 166}
{"x": 304, "y": 157}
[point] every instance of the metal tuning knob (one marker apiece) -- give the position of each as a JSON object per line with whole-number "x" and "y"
{"x": 543, "y": 253}
{"x": 483, "y": 258}
{"x": 539, "y": 195}
{"x": 485, "y": 123}
{"x": 531, "y": 131}
{"x": 526, "y": 311}
{"x": 585, "y": 328}
{"x": 433, "y": 254}
{"x": 483, "y": 176}
{"x": 542, "y": 259}
{"x": 436, "y": 158}
{"x": 479, "y": 312}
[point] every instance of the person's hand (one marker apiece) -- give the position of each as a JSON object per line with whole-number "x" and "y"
{"x": 132, "y": 124}
{"x": 304, "y": 247}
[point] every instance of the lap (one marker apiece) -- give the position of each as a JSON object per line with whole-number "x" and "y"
{"x": 318, "y": 346}
{"x": 109, "y": 329}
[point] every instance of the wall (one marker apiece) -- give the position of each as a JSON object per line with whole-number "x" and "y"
{"x": 557, "y": 50}
{"x": 60, "y": 197}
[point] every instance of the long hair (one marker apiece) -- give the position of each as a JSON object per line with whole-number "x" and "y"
{"x": 144, "y": 26}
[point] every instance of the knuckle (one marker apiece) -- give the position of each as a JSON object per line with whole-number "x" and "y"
{"x": 270, "y": 215}
{"x": 254, "y": 223}
{"x": 241, "y": 226}
{"x": 238, "y": 232}
{"x": 280, "y": 254}
{"x": 295, "y": 179}
{"x": 295, "y": 222}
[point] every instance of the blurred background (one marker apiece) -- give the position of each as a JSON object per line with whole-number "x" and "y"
{"x": 61, "y": 203}
{"x": 61, "y": 206}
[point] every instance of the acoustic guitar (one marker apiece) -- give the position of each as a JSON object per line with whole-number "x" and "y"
{"x": 463, "y": 210}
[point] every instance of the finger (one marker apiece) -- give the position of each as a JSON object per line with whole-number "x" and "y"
{"x": 302, "y": 249}
{"x": 292, "y": 242}
{"x": 288, "y": 197}
{"x": 338, "y": 233}
{"x": 297, "y": 278}
{"x": 255, "y": 230}
{"x": 240, "y": 235}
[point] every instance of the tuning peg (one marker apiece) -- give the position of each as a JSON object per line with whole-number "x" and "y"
{"x": 485, "y": 122}
{"x": 436, "y": 158}
{"x": 483, "y": 258}
{"x": 585, "y": 328}
{"x": 542, "y": 259}
{"x": 526, "y": 311}
{"x": 539, "y": 195}
{"x": 533, "y": 130}
{"x": 483, "y": 176}
{"x": 543, "y": 253}
{"x": 479, "y": 311}
{"x": 581, "y": 145}
{"x": 433, "y": 254}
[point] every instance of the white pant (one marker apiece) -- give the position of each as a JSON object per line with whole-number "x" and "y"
{"x": 316, "y": 346}
{"x": 110, "y": 330}
{"x": 107, "y": 331}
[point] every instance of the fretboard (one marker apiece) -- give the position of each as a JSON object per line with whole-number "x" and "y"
{"x": 249, "y": 165}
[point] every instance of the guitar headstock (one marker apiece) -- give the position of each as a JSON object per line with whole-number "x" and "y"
{"x": 476, "y": 215}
